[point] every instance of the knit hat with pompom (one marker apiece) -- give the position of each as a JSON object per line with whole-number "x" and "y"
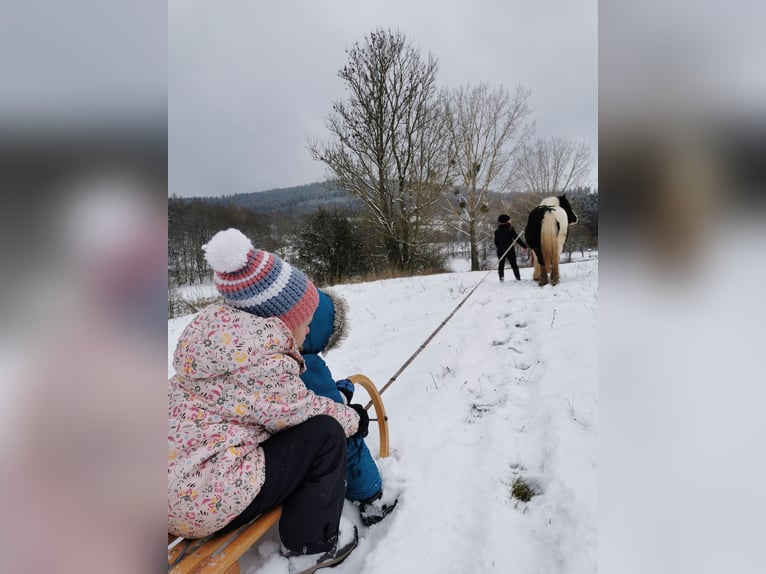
{"x": 259, "y": 282}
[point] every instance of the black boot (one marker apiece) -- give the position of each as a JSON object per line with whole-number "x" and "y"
{"x": 347, "y": 540}
{"x": 373, "y": 509}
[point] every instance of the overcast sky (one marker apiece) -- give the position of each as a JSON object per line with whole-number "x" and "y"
{"x": 249, "y": 82}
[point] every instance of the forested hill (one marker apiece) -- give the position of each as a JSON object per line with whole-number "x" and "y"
{"x": 300, "y": 200}
{"x": 305, "y": 200}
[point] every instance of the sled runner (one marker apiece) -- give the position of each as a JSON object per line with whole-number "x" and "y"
{"x": 219, "y": 553}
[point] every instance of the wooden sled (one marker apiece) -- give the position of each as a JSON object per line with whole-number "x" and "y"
{"x": 220, "y": 553}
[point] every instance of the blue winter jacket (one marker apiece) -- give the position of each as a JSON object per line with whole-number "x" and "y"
{"x": 327, "y": 329}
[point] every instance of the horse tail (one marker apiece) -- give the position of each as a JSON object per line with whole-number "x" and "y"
{"x": 549, "y": 242}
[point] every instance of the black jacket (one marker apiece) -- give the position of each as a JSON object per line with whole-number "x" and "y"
{"x": 504, "y": 236}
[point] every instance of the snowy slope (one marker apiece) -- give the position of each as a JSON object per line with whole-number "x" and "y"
{"x": 507, "y": 389}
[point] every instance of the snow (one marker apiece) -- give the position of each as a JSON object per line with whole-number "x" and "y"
{"x": 508, "y": 389}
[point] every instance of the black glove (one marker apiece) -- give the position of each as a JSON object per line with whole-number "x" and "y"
{"x": 346, "y": 389}
{"x": 364, "y": 421}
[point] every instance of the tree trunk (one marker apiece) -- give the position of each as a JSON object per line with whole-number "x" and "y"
{"x": 474, "y": 246}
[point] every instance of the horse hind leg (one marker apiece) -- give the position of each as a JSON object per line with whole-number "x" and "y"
{"x": 555, "y": 272}
{"x": 539, "y": 274}
{"x": 548, "y": 244}
{"x": 542, "y": 277}
{"x": 555, "y": 260}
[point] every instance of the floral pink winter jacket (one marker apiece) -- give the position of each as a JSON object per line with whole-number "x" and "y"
{"x": 237, "y": 383}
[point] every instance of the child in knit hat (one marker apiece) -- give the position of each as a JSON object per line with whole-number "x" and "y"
{"x": 245, "y": 434}
{"x": 328, "y": 328}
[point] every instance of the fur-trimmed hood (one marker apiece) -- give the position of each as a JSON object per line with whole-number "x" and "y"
{"x": 329, "y": 326}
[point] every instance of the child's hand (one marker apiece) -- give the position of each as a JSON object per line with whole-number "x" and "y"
{"x": 346, "y": 389}
{"x": 364, "y": 421}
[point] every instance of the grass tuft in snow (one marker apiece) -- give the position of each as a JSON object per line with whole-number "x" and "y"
{"x": 522, "y": 490}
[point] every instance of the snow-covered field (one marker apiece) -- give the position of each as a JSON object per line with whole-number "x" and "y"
{"x": 507, "y": 390}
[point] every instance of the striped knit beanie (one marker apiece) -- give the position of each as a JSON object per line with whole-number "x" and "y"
{"x": 259, "y": 282}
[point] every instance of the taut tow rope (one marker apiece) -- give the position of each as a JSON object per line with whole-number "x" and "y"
{"x": 439, "y": 328}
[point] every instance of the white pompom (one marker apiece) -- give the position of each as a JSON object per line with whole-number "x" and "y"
{"x": 227, "y": 250}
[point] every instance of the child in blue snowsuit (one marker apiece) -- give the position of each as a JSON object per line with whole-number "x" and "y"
{"x": 327, "y": 329}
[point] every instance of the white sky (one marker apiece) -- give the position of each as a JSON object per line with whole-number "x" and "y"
{"x": 250, "y": 82}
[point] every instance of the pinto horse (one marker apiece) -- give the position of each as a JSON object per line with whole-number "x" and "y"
{"x": 546, "y": 233}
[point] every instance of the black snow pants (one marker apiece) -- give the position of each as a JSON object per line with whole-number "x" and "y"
{"x": 306, "y": 473}
{"x": 511, "y": 257}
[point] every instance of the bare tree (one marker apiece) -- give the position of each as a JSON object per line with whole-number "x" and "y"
{"x": 487, "y": 129}
{"x": 388, "y": 146}
{"x": 552, "y": 166}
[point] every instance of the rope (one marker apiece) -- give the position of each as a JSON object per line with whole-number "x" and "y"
{"x": 439, "y": 328}
{"x": 518, "y": 236}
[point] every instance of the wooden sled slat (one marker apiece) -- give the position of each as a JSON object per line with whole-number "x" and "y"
{"x": 195, "y": 553}
{"x": 220, "y": 554}
{"x": 224, "y": 558}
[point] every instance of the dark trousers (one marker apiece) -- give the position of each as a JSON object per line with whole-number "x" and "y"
{"x": 511, "y": 257}
{"x": 306, "y": 473}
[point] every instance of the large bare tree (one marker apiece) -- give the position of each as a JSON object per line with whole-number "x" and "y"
{"x": 388, "y": 144}
{"x": 487, "y": 129}
{"x": 552, "y": 166}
